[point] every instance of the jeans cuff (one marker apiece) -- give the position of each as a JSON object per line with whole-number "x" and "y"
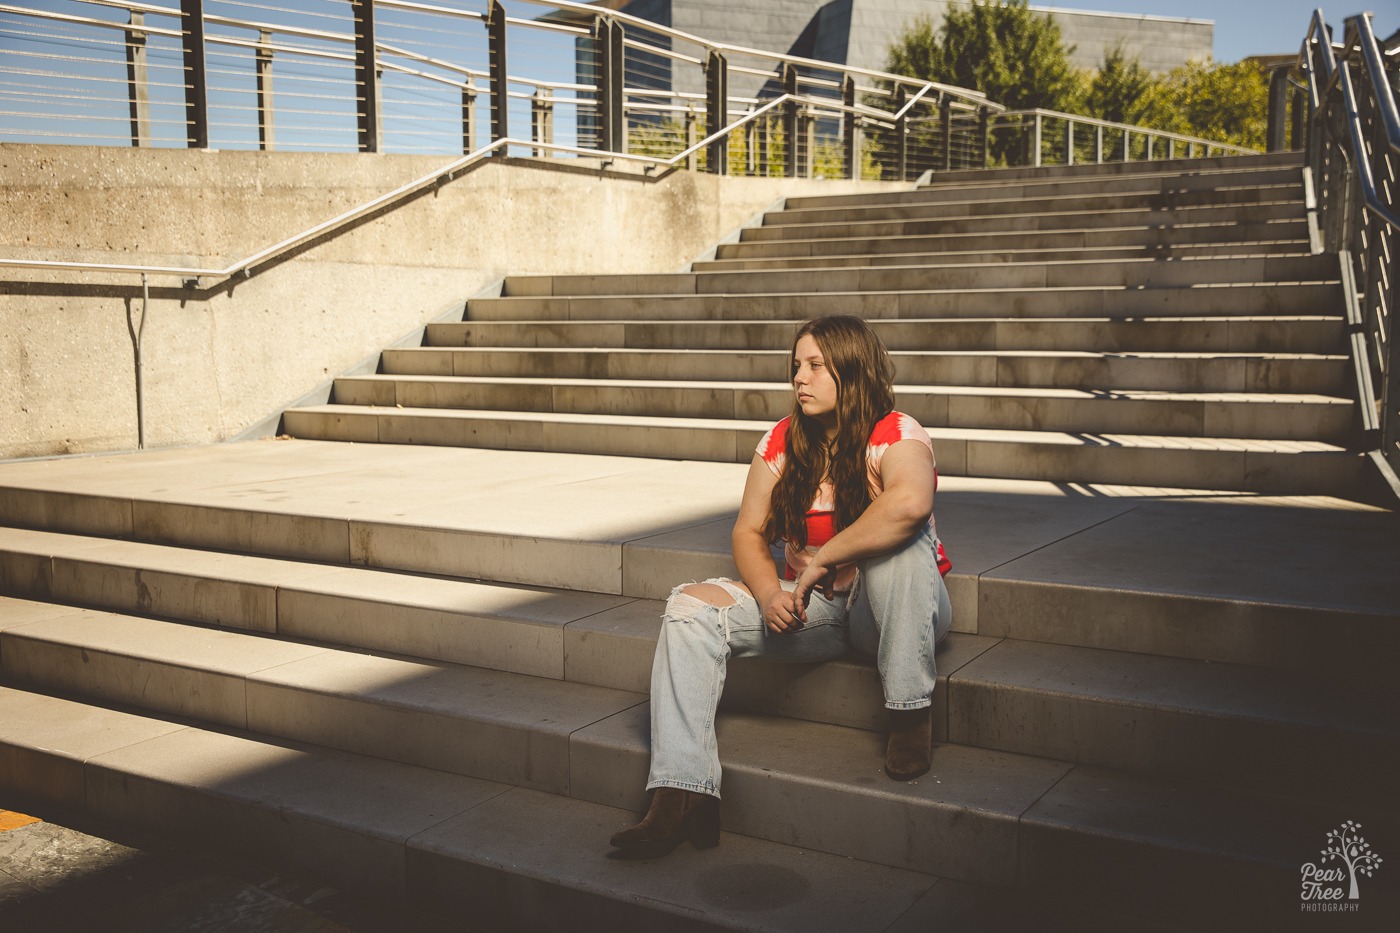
{"x": 909, "y": 704}
{"x": 706, "y": 789}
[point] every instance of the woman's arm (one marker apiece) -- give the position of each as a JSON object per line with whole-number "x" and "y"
{"x": 781, "y": 613}
{"x": 906, "y": 472}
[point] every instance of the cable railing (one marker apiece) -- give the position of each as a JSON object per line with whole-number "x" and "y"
{"x": 450, "y": 76}
{"x": 1353, "y": 150}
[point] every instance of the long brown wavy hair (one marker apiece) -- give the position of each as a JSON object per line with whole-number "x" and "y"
{"x": 860, "y": 364}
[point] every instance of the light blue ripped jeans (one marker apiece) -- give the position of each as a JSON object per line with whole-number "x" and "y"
{"x": 897, "y": 612}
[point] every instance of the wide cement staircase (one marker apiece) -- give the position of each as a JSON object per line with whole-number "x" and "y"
{"x": 419, "y": 666}
{"x": 1121, "y": 324}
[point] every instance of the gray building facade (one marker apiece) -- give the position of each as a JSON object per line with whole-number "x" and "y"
{"x": 858, "y": 32}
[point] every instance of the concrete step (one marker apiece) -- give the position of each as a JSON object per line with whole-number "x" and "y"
{"x": 1088, "y": 301}
{"x": 1128, "y": 273}
{"x": 1161, "y": 240}
{"x": 1215, "y": 723}
{"x": 1209, "y": 576}
{"x": 473, "y": 721}
{"x": 1214, "y": 414}
{"x": 1222, "y": 724}
{"x": 1160, "y": 370}
{"x": 1067, "y": 254}
{"x": 573, "y": 740}
{"x": 1155, "y": 182}
{"x": 1087, "y": 197}
{"x": 517, "y": 629}
{"x": 1256, "y": 465}
{"x": 1178, "y": 167}
{"x": 1167, "y": 219}
{"x": 507, "y": 856}
{"x": 1258, "y": 334}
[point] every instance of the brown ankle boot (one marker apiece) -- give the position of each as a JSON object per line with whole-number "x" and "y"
{"x": 675, "y": 815}
{"x": 910, "y": 746}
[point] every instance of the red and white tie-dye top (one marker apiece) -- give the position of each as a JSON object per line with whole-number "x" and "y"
{"x": 821, "y": 525}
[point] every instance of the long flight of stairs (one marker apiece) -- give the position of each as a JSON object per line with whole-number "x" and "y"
{"x": 1125, "y": 324}
{"x": 419, "y": 666}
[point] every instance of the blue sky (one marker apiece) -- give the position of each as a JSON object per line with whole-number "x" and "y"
{"x": 1249, "y": 27}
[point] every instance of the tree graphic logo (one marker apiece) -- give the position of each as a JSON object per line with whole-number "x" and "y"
{"x": 1327, "y": 884}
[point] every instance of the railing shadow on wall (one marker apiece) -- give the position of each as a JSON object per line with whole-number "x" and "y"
{"x": 1353, "y": 150}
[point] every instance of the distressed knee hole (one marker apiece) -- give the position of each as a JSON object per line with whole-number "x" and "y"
{"x": 688, "y": 601}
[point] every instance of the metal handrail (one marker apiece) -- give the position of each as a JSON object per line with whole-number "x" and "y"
{"x": 1360, "y": 221}
{"x": 438, "y": 176}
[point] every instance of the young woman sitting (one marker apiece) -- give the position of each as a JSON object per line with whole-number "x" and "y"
{"x": 848, "y": 483}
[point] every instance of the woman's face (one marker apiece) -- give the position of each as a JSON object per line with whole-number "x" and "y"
{"x": 814, "y": 383}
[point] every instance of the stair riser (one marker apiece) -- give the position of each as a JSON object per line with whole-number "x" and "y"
{"x": 1086, "y": 198}
{"x": 1101, "y": 415}
{"x": 1289, "y": 230}
{"x": 1195, "y": 335}
{"x": 1224, "y": 374}
{"x": 1073, "y": 254}
{"x": 1248, "y": 470}
{"x": 1130, "y": 274}
{"x": 279, "y": 702}
{"x": 1067, "y": 220}
{"x": 992, "y": 190}
{"x": 1085, "y": 302}
{"x": 1199, "y": 746}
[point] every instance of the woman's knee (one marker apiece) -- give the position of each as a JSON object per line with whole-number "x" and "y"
{"x": 710, "y": 593}
{"x": 689, "y": 600}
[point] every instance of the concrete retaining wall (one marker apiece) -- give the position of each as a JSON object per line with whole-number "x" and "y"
{"x": 217, "y": 363}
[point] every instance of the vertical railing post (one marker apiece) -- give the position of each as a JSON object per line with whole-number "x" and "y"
{"x": 765, "y": 133}
{"x": 945, "y": 117}
{"x": 751, "y": 147}
{"x": 717, "y": 112}
{"x": 1278, "y": 109}
{"x": 1127, "y": 146}
{"x": 851, "y": 123}
{"x": 262, "y": 62}
{"x": 196, "y": 75}
{"x": 1035, "y": 140}
{"x": 366, "y": 75}
{"x": 1297, "y": 116}
{"x": 1069, "y": 142}
{"x": 692, "y": 136}
{"x": 496, "y": 68}
{"x": 807, "y": 129}
{"x": 1171, "y": 148}
{"x": 542, "y": 119}
{"x": 138, "y": 86}
{"x": 1098, "y": 145}
{"x": 790, "y": 109}
{"x": 612, "y": 76}
{"x": 468, "y": 119}
{"x": 901, "y": 135}
{"x": 983, "y": 135}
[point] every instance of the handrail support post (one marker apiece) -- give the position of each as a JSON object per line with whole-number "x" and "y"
{"x": 138, "y": 84}
{"x": 499, "y": 76}
{"x": 196, "y": 78}
{"x": 717, "y": 112}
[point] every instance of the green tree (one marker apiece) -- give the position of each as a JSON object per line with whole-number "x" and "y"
{"x": 1225, "y": 103}
{"x": 1013, "y": 55}
{"x": 1125, "y": 92}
